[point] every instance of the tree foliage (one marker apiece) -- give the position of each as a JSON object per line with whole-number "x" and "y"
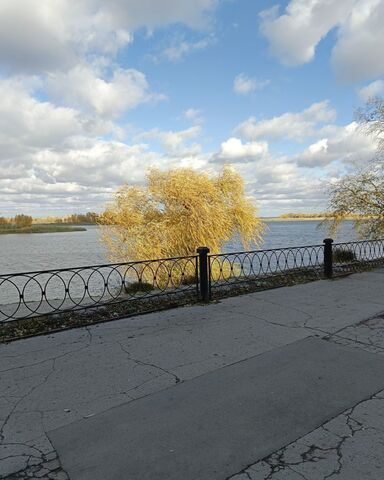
{"x": 361, "y": 193}
{"x": 178, "y": 211}
{"x": 88, "y": 218}
{"x": 371, "y": 120}
{"x": 22, "y": 221}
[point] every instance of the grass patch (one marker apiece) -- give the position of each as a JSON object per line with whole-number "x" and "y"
{"x": 343, "y": 256}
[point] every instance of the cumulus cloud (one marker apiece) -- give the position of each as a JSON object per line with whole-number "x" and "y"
{"x": 293, "y": 126}
{"x": 347, "y": 144}
{"x": 374, "y": 89}
{"x": 280, "y": 182}
{"x": 243, "y": 84}
{"x": 49, "y": 150}
{"x": 99, "y": 163}
{"x": 357, "y": 54}
{"x": 63, "y": 93}
{"x": 294, "y": 35}
{"x": 136, "y": 13}
{"x": 194, "y": 115}
{"x": 180, "y": 49}
{"x": 277, "y": 183}
{"x": 87, "y": 89}
{"x": 234, "y": 150}
{"x": 174, "y": 142}
{"x": 41, "y": 35}
{"x": 26, "y": 123}
{"x": 61, "y": 146}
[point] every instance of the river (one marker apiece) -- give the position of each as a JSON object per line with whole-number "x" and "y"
{"x": 30, "y": 252}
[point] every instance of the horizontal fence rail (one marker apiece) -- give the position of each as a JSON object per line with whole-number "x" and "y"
{"x": 25, "y": 295}
{"x": 197, "y": 277}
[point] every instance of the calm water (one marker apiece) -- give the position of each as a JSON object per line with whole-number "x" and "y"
{"x": 23, "y": 252}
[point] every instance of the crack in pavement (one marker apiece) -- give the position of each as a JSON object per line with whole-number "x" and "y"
{"x": 22, "y": 398}
{"x": 148, "y": 364}
{"x": 313, "y": 453}
{"x": 40, "y": 362}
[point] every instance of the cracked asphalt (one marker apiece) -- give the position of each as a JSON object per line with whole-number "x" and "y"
{"x": 48, "y": 382}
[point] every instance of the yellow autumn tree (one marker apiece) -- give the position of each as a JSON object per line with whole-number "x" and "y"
{"x": 176, "y": 212}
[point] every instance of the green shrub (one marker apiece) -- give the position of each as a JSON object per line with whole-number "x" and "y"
{"x": 343, "y": 256}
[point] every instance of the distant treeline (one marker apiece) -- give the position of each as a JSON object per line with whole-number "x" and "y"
{"x": 19, "y": 221}
{"x": 89, "y": 218}
{"x": 22, "y": 221}
{"x": 320, "y": 216}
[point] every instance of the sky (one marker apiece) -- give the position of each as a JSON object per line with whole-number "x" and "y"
{"x": 93, "y": 93}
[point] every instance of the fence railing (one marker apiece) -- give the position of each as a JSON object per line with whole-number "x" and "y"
{"x": 197, "y": 277}
{"x": 24, "y": 295}
{"x": 349, "y": 257}
{"x": 262, "y": 268}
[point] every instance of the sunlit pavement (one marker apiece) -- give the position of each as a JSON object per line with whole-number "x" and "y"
{"x": 51, "y": 381}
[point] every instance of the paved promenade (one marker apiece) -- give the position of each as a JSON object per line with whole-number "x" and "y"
{"x": 75, "y": 382}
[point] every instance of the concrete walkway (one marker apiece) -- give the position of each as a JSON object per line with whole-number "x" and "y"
{"x": 49, "y": 382}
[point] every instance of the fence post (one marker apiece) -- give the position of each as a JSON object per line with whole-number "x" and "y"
{"x": 328, "y": 260}
{"x": 204, "y": 273}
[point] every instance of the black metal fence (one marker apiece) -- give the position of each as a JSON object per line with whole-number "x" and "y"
{"x": 261, "y": 269}
{"x": 24, "y": 295}
{"x": 197, "y": 277}
{"x": 349, "y": 257}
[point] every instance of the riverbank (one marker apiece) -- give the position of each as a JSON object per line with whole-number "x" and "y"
{"x": 42, "y": 228}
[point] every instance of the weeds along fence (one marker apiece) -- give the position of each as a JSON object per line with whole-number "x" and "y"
{"x": 157, "y": 283}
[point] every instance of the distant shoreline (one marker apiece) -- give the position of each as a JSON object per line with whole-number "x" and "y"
{"x": 302, "y": 219}
{"x": 293, "y": 219}
{"x": 41, "y": 228}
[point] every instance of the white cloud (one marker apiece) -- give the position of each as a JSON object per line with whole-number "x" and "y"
{"x": 288, "y": 182}
{"x": 173, "y": 142}
{"x": 41, "y": 35}
{"x": 234, "y": 150}
{"x": 194, "y": 115}
{"x": 60, "y": 156}
{"x": 86, "y": 89}
{"x": 40, "y": 143}
{"x": 26, "y": 123}
{"x": 374, "y": 89}
{"x": 293, "y": 126}
{"x": 277, "y": 183}
{"x": 294, "y": 35}
{"x": 347, "y": 144}
{"x": 63, "y": 91}
{"x": 180, "y": 49}
{"x": 32, "y": 37}
{"x": 243, "y": 84}
{"x": 96, "y": 162}
{"x": 136, "y": 13}
{"x": 55, "y": 158}
{"x": 358, "y": 52}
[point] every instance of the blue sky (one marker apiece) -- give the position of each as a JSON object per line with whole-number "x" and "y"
{"x": 94, "y": 93}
